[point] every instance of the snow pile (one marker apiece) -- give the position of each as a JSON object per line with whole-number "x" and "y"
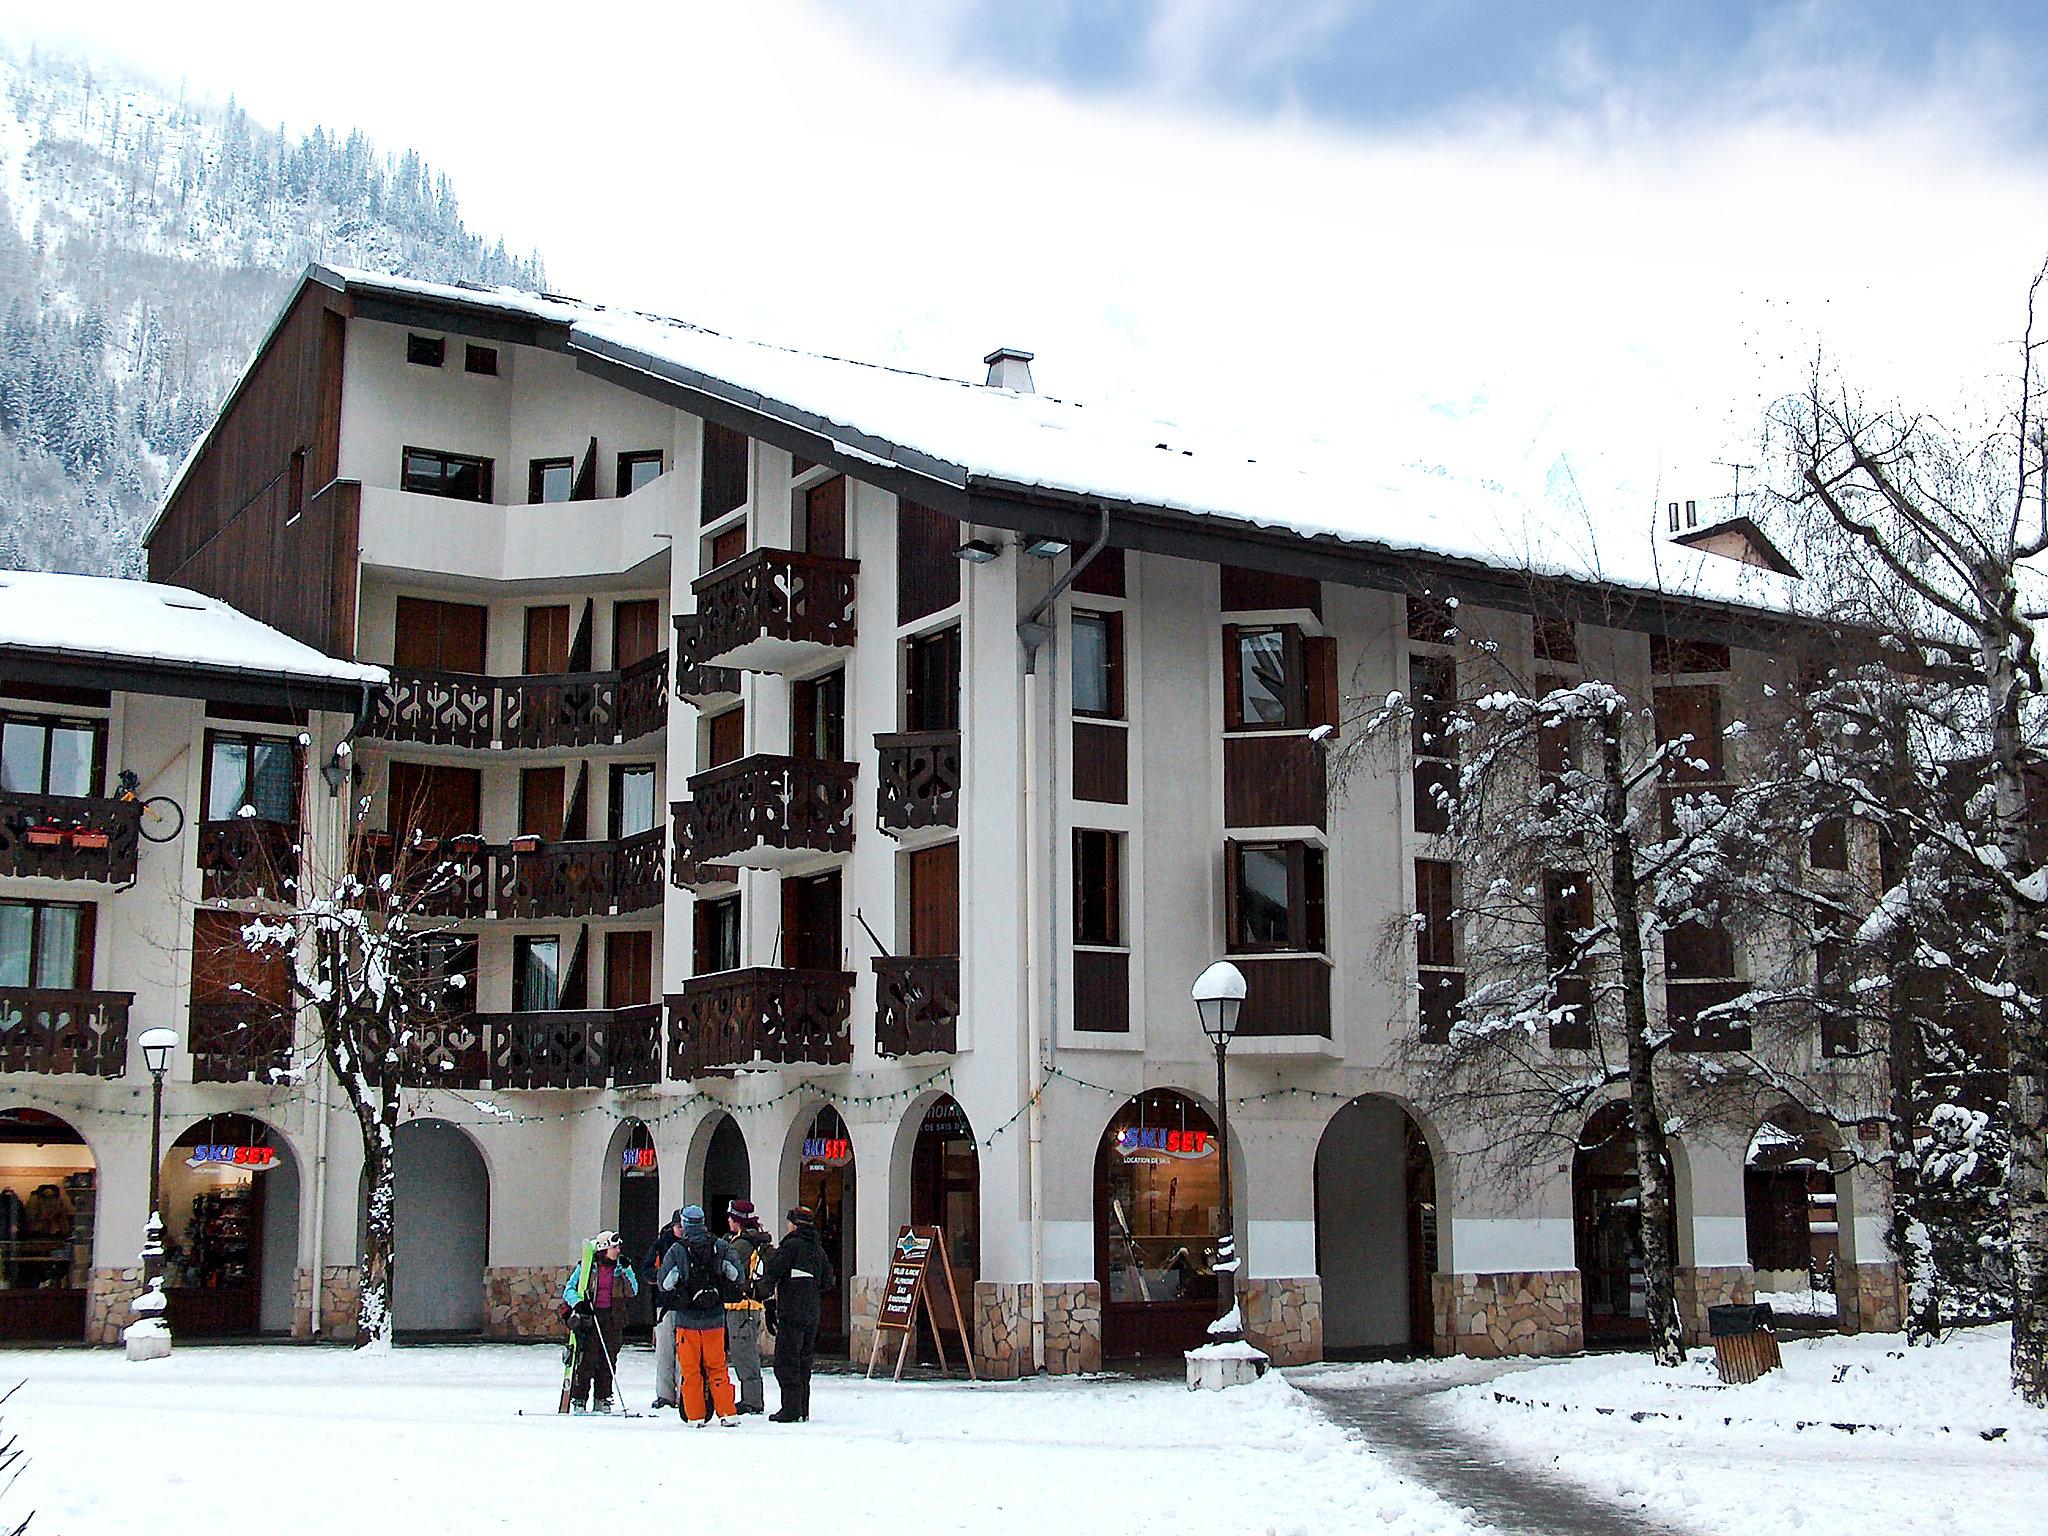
{"x": 1849, "y": 1427}
{"x": 431, "y": 1440}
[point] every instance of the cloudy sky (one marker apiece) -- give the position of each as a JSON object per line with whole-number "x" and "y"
{"x": 1582, "y": 243}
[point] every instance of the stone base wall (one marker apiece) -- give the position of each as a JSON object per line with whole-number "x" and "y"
{"x": 864, "y": 1304}
{"x": 341, "y": 1296}
{"x": 1876, "y": 1303}
{"x": 107, "y": 1294}
{"x": 1284, "y": 1318}
{"x": 1713, "y": 1286}
{"x": 1002, "y": 1328}
{"x": 1520, "y": 1312}
{"x": 520, "y": 1301}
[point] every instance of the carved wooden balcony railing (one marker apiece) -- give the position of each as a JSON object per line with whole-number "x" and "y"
{"x": 920, "y": 781}
{"x": 467, "y": 878}
{"x": 247, "y": 857}
{"x": 69, "y": 837}
{"x": 554, "y": 879}
{"x": 48, "y": 1029}
{"x": 917, "y": 1004}
{"x": 769, "y": 610}
{"x": 636, "y": 876}
{"x": 636, "y": 1045}
{"x": 763, "y": 811}
{"x": 683, "y": 868}
{"x": 736, "y": 1018}
{"x": 441, "y": 1050}
{"x": 575, "y": 1048}
{"x": 236, "y": 1040}
{"x": 453, "y": 877}
{"x": 567, "y": 709}
{"x": 702, "y": 683}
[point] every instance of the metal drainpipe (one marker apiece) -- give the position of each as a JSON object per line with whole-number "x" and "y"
{"x": 1042, "y": 999}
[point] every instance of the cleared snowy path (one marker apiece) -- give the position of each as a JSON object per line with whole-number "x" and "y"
{"x": 1402, "y": 1420}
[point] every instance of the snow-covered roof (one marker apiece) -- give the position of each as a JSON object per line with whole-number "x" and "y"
{"x": 976, "y": 438}
{"x": 108, "y": 621}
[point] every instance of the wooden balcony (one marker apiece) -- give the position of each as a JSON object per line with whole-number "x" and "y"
{"x": 771, "y": 610}
{"x": 468, "y": 879}
{"x": 48, "y": 1029}
{"x": 545, "y": 710}
{"x": 575, "y": 1048}
{"x": 1274, "y": 781}
{"x": 238, "y": 1040}
{"x": 69, "y": 837}
{"x": 442, "y": 1050}
{"x": 247, "y": 857}
{"x": 917, "y": 1004}
{"x": 920, "y": 781}
{"x": 760, "y": 1014}
{"x": 703, "y": 685}
{"x": 765, "y": 811}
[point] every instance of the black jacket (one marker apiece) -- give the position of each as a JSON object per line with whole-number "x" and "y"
{"x": 801, "y": 1272}
{"x": 657, "y": 1253}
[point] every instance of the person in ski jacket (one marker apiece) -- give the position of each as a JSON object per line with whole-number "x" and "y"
{"x": 801, "y": 1272}
{"x": 664, "y": 1319}
{"x": 699, "y": 1274}
{"x": 749, "y": 1243}
{"x": 594, "y": 1304}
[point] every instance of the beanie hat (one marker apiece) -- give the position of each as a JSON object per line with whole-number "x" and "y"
{"x": 693, "y": 1215}
{"x": 742, "y": 1211}
{"x": 802, "y": 1215}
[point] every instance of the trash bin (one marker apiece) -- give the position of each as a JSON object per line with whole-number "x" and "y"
{"x": 1745, "y": 1341}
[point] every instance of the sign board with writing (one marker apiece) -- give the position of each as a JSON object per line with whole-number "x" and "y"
{"x": 249, "y": 1159}
{"x": 918, "y": 1252}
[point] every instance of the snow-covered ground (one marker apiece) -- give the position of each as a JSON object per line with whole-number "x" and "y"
{"x": 319, "y": 1441}
{"x": 1737, "y": 1459}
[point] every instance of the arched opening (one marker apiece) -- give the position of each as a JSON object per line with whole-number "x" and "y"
{"x": 1607, "y": 1227}
{"x": 1158, "y": 1187}
{"x": 230, "y": 1204}
{"x": 635, "y": 1208}
{"x": 1376, "y": 1232}
{"x": 728, "y": 1176}
{"x": 48, "y": 1193}
{"x": 825, "y": 1183}
{"x": 945, "y": 1192}
{"x": 441, "y": 1231}
{"x": 1789, "y": 1206}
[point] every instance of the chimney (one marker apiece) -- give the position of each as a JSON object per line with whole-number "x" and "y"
{"x": 1010, "y": 368}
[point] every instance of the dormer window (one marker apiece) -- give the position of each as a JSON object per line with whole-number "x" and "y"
{"x": 426, "y": 351}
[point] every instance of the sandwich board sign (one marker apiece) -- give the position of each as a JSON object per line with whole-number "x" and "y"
{"x": 918, "y": 1251}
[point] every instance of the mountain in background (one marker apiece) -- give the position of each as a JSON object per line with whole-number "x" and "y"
{"x": 146, "y": 243}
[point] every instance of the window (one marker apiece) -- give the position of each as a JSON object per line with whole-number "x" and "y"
{"x": 1828, "y": 847}
{"x": 1669, "y": 655}
{"x": 1432, "y": 691}
{"x": 1838, "y": 1033}
{"x": 1432, "y": 620}
{"x": 1699, "y": 974}
{"x": 1098, "y": 887}
{"x": 810, "y": 922}
{"x": 295, "y": 485}
{"x": 638, "y": 469}
{"x": 536, "y": 973}
{"x": 817, "y": 719}
{"x": 1567, "y": 918}
{"x": 1438, "y": 971}
{"x": 43, "y": 755}
{"x": 427, "y": 351}
{"x": 717, "y": 936}
{"x": 458, "y": 476}
{"x": 1556, "y": 639}
{"x": 1689, "y": 713}
{"x": 483, "y": 360}
{"x": 1274, "y": 896}
{"x": 632, "y": 799}
{"x": 931, "y": 681}
{"x": 1099, "y": 664}
{"x": 45, "y": 944}
{"x": 1276, "y": 678}
{"x": 725, "y": 472}
{"x": 255, "y": 776}
{"x": 550, "y": 479}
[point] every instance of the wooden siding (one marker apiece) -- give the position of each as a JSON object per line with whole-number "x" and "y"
{"x": 1274, "y": 781}
{"x": 1102, "y": 991}
{"x": 1246, "y": 591}
{"x": 927, "y": 570}
{"x": 229, "y": 530}
{"x": 1101, "y": 762}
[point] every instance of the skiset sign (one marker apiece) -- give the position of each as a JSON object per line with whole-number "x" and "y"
{"x": 217, "y": 1155}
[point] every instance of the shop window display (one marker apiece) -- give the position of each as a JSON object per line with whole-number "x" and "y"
{"x": 1158, "y": 1201}
{"x": 825, "y": 1183}
{"x": 217, "y": 1180}
{"x": 47, "y": 1192}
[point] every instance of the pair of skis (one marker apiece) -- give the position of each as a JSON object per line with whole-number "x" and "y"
{"x": 571, "y": 1351}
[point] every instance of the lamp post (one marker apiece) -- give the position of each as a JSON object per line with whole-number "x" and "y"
{"x": 1219, "y": 998}
{"x": 149, "y": 1336}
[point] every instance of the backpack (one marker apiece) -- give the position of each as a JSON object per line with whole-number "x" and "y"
{"x": 712, "y": 1278}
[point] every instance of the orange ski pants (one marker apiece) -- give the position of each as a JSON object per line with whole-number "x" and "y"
{"x": 700, "y": 1357}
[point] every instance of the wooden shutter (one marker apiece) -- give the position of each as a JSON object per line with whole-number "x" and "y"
{"x": 803, "y": 719}
{"x": 580, "y": 646}
{"x": 1692, "y": 709}
{"x": 1113, "y": 647}
{"x": 81, "y": 958}
{"x": 636, "y": 631}
{"x": 825, "y": 518}
{"x": 727, "y": 738}
{"x": 541, "y": 802}
{"x": 725, "y": 472}
{"x": 584, "y": 488}
{"x": 927, "y": 570}
{"x": 729, "y": 544}
{"x": 439, "y": 800}
{"x": 439, "y": 637}
{"x": 547, "y": 639}
{"x": 1233, "y": 875}
{"x": 935, "y": 900}
{"x": 1233, "y": 680}
{"x": 225, "y": 969}
{"x": 575, "y": 991}
{"x": 1319, "y": 665}
{"x": 576, "y": 819}
{"x": 1103, "y": 576}
{"x": 628, "y": 968}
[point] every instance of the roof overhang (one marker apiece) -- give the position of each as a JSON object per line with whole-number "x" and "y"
{"x": 129, "y": 674}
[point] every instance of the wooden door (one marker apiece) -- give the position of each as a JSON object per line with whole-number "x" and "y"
{"x": 541, "y": 800}
{"x": 628, "y": 968}
{"x": 935, "y": 900}
{"x": 547, "y": 639}
{"x": 726, "y": 738}
{"x": 437, "y": 799}
{"x": 434, "y": 636}
{"x": 636, "y": 631}
{"x": 825, "y": 518}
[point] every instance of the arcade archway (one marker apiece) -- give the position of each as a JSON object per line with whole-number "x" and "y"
{"x": 826, "y": 1183}
{"x": 1376, "y": 1231}
{"x": 1158, "y": 1187}
{"x": 442, "y": 1232}
{"x": 1607, "y": 1227}
{"x": 230, "y": 1204}
{"x": 48, "y": 1196}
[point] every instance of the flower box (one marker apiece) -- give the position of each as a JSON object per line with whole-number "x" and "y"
{"x": 90, "y": 837}
{"x": 48, "y": 837}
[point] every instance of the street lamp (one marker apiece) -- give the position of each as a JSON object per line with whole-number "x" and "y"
{"x": 149, "y": 1336}
{"x": 1219, "y": 998}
